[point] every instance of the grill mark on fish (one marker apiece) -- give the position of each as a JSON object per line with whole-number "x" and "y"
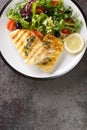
{"x": 19, "y": 36}
{"x": 37, "y": 55}
{"x": 24, "y": 42}
{"x": 22, "y": 50}
{"x": 34, "y": 51}
{"x": 13, "y": 36}
{"x": 41, "y": 56}
{"x": 26, "y": 35}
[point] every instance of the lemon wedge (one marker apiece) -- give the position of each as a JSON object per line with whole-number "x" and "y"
{"x": 74, "y": 43}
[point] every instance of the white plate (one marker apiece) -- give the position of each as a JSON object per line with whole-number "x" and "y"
{"x": 66, "y": 63}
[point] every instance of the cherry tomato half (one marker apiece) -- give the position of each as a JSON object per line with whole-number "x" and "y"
{"x": 39, "y": 9}
{"x": 38, "y": 34}
{"x": 11, "y": 25}
{"x": 54, "y": 2}
{"x": 66, "y": 31}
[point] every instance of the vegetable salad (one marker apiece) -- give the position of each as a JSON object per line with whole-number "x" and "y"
{"x": 43, "y": 17}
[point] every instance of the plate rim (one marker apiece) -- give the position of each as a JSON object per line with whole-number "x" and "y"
{"x": 42, "y": 78}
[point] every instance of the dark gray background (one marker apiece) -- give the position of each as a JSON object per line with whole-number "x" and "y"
{"x": 58, "y": 104}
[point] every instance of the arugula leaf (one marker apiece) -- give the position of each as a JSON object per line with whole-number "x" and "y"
{"x": 37, "y": 20}
{"x": 46, "y": 3}
{"x": 13, "y": 14}
{"x": 34, "y": 8}
{"x": 20, "y": 5}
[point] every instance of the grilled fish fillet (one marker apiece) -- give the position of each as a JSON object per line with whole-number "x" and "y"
{"x": 43, "y": 54}
{"x": 54, "y": 49}
{"x": 32, "y": 52}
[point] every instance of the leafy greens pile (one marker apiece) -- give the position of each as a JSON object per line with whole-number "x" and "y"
{"x": 52, "y": 19}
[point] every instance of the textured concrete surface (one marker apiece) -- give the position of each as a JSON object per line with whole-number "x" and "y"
{"x": 58, "y": 104}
